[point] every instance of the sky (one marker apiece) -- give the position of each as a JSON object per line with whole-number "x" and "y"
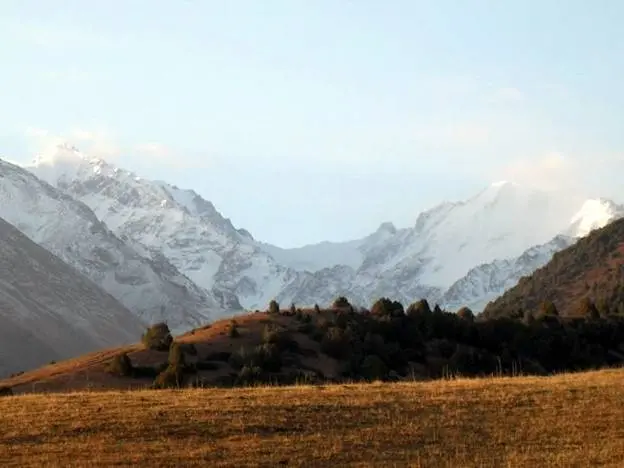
{"x": 305, "y": 121}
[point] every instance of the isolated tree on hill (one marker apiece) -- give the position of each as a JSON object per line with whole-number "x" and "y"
{"x": 274, "y": 307}
{"x": 120, "y": 365}
{"x": 157, "y": 337}
{"x": 341, "y": 303}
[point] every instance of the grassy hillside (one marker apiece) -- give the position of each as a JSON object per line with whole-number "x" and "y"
{"x": 207, "y": 350}
{"x": 591, "y": 272}
{"x": 339, "y": 345}
{"x": 566, "y": 420}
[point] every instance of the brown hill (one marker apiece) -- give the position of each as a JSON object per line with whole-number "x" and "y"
{"x": 338, "y": 344}
{"x": 591, "y": 272}
{"x": 208, "y": 350}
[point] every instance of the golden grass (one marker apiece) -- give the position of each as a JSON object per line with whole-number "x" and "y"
{"x": 567, "y": 420}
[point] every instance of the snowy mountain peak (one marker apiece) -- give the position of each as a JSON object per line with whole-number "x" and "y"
{"x": 505, "y": 192}
{"x": 594, "y": 214}
{"x": 387, "y": 228}
{"x": 146, "y": 283}
{"x": 65, "y": 163}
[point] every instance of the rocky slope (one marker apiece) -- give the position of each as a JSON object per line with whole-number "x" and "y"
{"x": 488, "y": 281}
{"x": 589, "y": 272}
{"x": 152, "y": 287}
{"x": 49, "y": 311}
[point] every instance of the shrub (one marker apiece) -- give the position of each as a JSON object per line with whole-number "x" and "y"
{"x": 120, "y": 365}
{"x": 418, "y": 308}
{"x": 268, "y": 357}
{"x": 317, "y": 309}
{"x": 6, "y": 391}
{"x": 384, "y": 307}
{"x": 176, "y": 356}
{"x": 466, "y": 314}
{"x": 335, "y": 343}
{"x": 223, "y": 356}
{"x": 171, "y": 377}
{"x": 240, "y": 358}
{"x": 157, "y": 337}
{"x": 206, "y": 366}
{"x": 189, "y": 348}
{"x": 161, "y": 367}
{"x": 249, "y": 375}
{"x": 274, "y": 308}
{"x": 373, "y": 368}
{"x": 341, "y": 303}
{"x": 233, "y": 331}
{"x": 148, "y": 372}
{"x": 272, "y": 334}
{"x": 306, "y": 328}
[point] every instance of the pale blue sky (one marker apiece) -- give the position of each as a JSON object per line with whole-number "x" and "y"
{"x": 311, "y": 120}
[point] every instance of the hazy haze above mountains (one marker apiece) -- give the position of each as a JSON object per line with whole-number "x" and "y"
{"x": 320, "y": 121}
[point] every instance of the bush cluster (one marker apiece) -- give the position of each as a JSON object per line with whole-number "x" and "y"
{"x": 157, "y": 337}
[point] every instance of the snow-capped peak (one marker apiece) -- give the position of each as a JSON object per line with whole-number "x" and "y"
{"x": 60, "y": 162}
{"x": 594, "y": 214}
{"x": 387, "y": 228}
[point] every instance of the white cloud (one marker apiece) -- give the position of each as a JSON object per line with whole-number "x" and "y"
{"x": 548, "y": 171}
{"x": 590, "y": 174}
{"x": 101, "y": 143}
{"x": 95, "y": 143}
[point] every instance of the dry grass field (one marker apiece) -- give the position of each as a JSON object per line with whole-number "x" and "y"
{"x": 566, "y": 420}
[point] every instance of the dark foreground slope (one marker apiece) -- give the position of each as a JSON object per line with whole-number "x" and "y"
{"x": 49, "y": 311}
{"x": 566, "y": 420}
{"x": 585, "y": 278}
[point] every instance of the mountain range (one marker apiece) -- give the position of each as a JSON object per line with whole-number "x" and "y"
{"x": 168, "y": 254}
{"x": 150, "y": 286}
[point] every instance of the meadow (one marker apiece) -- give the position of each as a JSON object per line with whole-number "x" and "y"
{"x": 563, "y": 420}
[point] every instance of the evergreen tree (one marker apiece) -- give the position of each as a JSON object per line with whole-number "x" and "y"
{"x": 274, "y": 307}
